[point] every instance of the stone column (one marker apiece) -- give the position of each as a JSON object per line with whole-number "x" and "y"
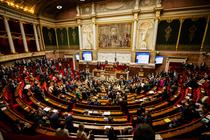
{"x": 23, "y": 37}
{"x": 179, "y": 34}
{"x": 134, "y": 30}
{"x": 205, "y": 32}
{"x": 136, "y": 5}
{"x": 94, "y": 25}
{"x": 41, "y": 37}
{"x": 11, "y": 44}
{"x": 94, "y": 33}
{"x": 67, "y": 30}
{"x": 56, "y": 38}
{"x": 36, "y": 38}
{"x": 155, "y": 34}
{"x": 80, "y": 34}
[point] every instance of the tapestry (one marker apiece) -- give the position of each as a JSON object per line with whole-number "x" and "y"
{"x": 49, "y": 38}
{"x": 62, "y": 37}
{"x": 73, "y": 37}
{"x": 114, "y": 35}
{"x": 206, "y": 46}
{"x": 167, "y": 34}
{"x": 192, "y": 34}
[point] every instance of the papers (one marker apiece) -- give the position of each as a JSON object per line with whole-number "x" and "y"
{"x": 189, "y": 94}
{"x": 208, "y": 117}
{"x": 201, "y": 82}
{"x": 151, "y": 92}
{"x": 3, "y": 108}
{"x": 54, "y": 110}
{"x": 26, "y": 107}
{"x": 47, "y": 109}
{"x": 158, "y": 137}
{"x": 187, "y": 97}
{"x": 106, "y": 119}
{"x": 90, "y": 112}
{"x": 95, "y": 112}
{"x": 27, "y": 87}
{"x": 106, "y": 113}
{"x": 107, "y": 126}
{"x": 167, "y": 120}
{"x": 205, "y": 120}
{"x": 178, "y": 105}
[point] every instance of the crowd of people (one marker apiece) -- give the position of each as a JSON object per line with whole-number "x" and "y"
{"x": 57, "y": 77}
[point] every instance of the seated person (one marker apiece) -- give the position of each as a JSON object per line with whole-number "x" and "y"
{"x": 62, "y": 131}
{"x": 81, "y": 134}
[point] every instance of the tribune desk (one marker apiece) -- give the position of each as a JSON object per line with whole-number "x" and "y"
{"x": 109, "y": 75}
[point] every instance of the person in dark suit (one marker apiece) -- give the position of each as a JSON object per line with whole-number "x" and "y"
{"x": 144, "y": 132}
{"x": 111, "y": 134}
{"x": 69, "y": 122}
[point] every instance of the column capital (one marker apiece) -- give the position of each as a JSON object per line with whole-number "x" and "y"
{"x": 135, "y": 16}
{"x": 93, "y": 20}
{"x": 79, "y": 21}
{"x": 136, "y": 11}
{"x": 23, "y": 36}
{"x": 158, "y": 12}
{"x": 6, "y": 18}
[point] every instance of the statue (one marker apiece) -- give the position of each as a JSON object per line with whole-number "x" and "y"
{"x": 145, "y": 33}
{"x": 87, "y": 36}
{"x": 143, "y": 44}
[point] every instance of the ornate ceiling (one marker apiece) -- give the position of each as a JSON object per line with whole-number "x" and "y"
{"x": 47, "y": 8}
{"x": 38, "y": 7}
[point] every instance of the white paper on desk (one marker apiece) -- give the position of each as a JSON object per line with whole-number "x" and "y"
{"x": 47, "y": 109}
{"x": 90, "y": 112}
{"x": 141, "y": 100}
{"x": 208, "y": 117}
{"x": 106, "y": 119}
{"x": 106, "y": 113}
{"x": 205, "y": 120}
{"x": 189, "y": 94}
{"x": 178, "y": 105}
{"x": 27, "y": 87}
{"x": 86, "y": 110}
{"x": 201, "y": 82}
{"x": 54, "y": 110}
{"x": 107, "y": 126}
{"x": 95, "y": 112}
{"x": 151, "y": 92}
{"x": 3, "y": 108}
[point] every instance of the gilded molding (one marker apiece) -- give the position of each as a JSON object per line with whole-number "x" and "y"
{"x": 205, "y": 32}
{"x": 178, "y": 38}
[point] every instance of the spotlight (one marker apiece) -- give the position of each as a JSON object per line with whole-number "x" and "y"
{"x": 59, "y": 7}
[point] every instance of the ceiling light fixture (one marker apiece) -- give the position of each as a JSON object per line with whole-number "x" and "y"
{"x": 82, "y": 0}
{"x": 59, "y": 7}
